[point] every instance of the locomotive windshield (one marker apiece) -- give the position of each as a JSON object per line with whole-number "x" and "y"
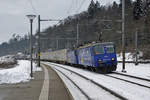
{"x": 110, "y": 49}
{"x": 98, "y": 49}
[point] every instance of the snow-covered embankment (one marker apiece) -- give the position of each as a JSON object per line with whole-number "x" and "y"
{"x": 20, "y": 73}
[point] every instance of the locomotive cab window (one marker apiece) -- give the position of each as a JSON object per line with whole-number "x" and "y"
{"x": 98, "y": 49}
{"x": 110, "y": 49}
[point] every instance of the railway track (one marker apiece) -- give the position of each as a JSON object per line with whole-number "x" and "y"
{"x": 95, "y": 83}
{"x": 82, "y": 91}
{"x": 148, "y": 80}
{"x": 140, "y": 62}
{"x": 132, "y": 80}
{"x": 139, "y": 81}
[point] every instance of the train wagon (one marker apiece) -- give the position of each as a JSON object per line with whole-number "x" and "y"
{"x": 55, "y": 56}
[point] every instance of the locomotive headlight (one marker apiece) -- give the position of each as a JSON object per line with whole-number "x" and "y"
{"x": 99, "y": 60}
{"x": 113, "y": 58}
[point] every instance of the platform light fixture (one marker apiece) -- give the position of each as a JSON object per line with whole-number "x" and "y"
{"x": 31, "y": 18}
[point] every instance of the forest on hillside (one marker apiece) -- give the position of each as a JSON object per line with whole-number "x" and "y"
{"x": 99, "y": 23}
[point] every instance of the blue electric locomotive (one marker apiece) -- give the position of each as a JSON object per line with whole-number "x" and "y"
{"x": 104, "y": 57}
{"x": 98, "y": 56}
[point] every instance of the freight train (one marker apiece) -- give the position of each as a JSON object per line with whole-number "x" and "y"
{"x": 100, "y": 57}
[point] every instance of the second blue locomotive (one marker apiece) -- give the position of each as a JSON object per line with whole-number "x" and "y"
{"x": 98, "y": 56}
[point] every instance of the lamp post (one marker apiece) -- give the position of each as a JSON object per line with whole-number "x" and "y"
{"x": 31, "y": 18}
{"x": 39, "y": 30}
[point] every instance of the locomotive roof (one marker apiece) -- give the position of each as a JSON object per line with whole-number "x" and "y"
{"x": 93, "y": 44}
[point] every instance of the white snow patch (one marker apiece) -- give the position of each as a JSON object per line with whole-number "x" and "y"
{"x": 141, "y": 70}
{"x": 20, "y": 73}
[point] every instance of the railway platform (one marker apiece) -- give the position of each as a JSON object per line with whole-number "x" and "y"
{"x": 46, "y": 85}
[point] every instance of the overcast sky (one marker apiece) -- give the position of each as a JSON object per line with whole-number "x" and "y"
{"x": 13, "y": 13}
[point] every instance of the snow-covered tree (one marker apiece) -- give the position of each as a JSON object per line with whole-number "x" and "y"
{"x": 147, "y": 7}
{"x": 91, "y": 8}
{"x": 147, "y": 16}
{"x": 97, "y": 5}
{"x": 138, "y": 10}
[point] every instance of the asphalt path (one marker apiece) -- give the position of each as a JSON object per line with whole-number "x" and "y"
{"x": 23, "y": 91}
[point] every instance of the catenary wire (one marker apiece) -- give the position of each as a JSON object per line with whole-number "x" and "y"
{"x": 83, "y": 1}
{"x": 70, "y": 7}
{"x": 32, "y": 6}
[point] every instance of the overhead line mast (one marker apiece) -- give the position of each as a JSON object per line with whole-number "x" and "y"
{"x": 123, "y": 35}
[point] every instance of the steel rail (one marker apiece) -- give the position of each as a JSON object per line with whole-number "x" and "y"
{"x": 128, "y": 81}
{"x": 140, "y": 62}
{"x": 148, "y": 80}
{"x": 75, "y": 84}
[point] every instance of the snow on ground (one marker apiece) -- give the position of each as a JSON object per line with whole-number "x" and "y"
{"x": 20, "y": 73}
{"x": 141, "y": 70}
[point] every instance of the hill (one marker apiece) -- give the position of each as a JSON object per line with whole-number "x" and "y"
{"x": 98, "y": 23}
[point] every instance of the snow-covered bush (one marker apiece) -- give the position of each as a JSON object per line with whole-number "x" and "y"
{"x": 7, "y": 61}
